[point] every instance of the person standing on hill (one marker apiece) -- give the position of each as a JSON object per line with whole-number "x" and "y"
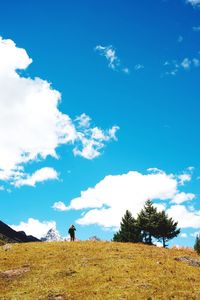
{"x": 71, "y": 232}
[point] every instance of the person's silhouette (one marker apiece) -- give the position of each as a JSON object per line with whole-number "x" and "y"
{"x": 71, "y": 232}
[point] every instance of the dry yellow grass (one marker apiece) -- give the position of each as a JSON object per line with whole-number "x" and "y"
{"x": 96, "y": 270}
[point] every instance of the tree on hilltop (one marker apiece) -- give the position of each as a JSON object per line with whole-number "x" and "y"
{"x": 149, "y": 224}
{"x": 197, "y": 244}
{"x": 166, "y": 228}
{"x": 147, "y": 221}
{"x": 129, "y": 231}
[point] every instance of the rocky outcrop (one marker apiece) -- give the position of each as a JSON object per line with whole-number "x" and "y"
{"x": 191, "y": 261}
{"x": 9, "y": 235}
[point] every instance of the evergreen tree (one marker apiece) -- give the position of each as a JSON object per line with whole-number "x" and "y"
{"x": 197, "y": 244}
{"x": 166, "y": 228}
{"x": 147, "y": 221}
{"x": 129, "y": 231}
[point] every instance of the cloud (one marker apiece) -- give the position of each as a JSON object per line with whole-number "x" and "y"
{"x": 40, "y": 175}
{"x": 31, "y": 125}
{"x": 190, "y": 168}
{"x": 160, "y": 206}
{"x": 185, "y": 177}
{"x": 83, "y": 121}
{"x": 194, "y": 3}
{"x": 184, "y": 216}
{"x": 109, "y": 53}
{"x": 180, "y": 39}
{"x": 92, "y": 140}
{"x": 114, "y": 194}
{"x": 126, "y": 70}
{"x": 183, "y": 235}
{"x": 155, "y": 170}
{"x": 174, "y": 66}
{"x": 60, "y": 206}
{"x": 186, "y": 63}
{"x": 138, "y": 67}
{"x": 102, "y": 217}
{"x": 182, "y": 197}
{"x": 196, "y": 62}
{"x": 196, "y": 28}
{"x": 34, "y": 227}
{"x": 194, "y": 234}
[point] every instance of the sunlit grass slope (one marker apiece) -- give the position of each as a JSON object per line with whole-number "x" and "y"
{"x": 96, "y": 270}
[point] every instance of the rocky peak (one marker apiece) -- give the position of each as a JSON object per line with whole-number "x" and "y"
{"x": 52, "y": 236}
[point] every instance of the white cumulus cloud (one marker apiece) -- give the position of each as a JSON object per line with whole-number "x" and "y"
{"x": 60, "y": 206}
{"x": 105, "y": 203}
{"x": 114, "y": 194}
{"x": 34, "y": 227}
{"x": 31, "y": 125}
{"x": 184, "y": 216}
{"x": 184, "y": 178}
{"x": 182, "y": 197}
{"x": 38, "y": 176}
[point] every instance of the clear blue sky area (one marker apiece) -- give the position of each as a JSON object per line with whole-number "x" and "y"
{"x": 147, "y": 85}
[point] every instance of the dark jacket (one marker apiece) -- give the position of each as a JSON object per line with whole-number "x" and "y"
{"x": 71, "y": 230}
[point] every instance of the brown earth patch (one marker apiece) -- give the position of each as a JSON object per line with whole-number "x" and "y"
{"x": 53, "y": 296}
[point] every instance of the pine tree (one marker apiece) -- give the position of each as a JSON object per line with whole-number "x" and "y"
{"x": 147, "y": 221}
{"x": 129, "y": 231}
{"x": 197, "y": 244}
{"x": 166, "y": 228}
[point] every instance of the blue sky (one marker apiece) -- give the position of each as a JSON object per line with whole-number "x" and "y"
{"x": 112, "y": 91}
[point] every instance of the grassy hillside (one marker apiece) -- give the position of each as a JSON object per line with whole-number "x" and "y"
{"x": 96, "y": 270}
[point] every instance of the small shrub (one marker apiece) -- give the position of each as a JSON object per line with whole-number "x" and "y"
{"x": 197, "y": 244}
